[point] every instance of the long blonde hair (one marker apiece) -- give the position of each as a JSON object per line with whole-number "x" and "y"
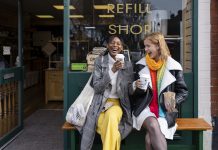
{"x": 157, "y": 38}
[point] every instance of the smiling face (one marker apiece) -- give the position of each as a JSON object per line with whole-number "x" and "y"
{"x": 152, "y": 50}
{"x": 115, "y": 47}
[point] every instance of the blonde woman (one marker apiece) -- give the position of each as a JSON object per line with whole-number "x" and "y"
{"x": 163, "y": 74}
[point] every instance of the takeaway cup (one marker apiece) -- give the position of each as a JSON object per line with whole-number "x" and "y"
{"x": 120, "y": 57}
{"x": 144, "y": 80}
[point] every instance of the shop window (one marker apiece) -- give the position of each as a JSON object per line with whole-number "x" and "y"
{"x": 8, "y": 46}
{"x": 9, "y": 74}
{"x": 92, "y": 22}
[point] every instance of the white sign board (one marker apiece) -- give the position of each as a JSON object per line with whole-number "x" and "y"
{"x": 6, "y": 50}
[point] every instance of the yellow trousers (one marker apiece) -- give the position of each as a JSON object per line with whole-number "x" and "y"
{"x": 107, "y": 126}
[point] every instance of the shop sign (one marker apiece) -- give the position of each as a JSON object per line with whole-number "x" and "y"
{"x": 129, "y": 9}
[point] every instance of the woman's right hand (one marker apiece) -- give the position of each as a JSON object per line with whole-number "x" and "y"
{"x": 117, "y": 66}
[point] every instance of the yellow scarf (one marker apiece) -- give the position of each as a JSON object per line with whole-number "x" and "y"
{"x": 152, "y": 64}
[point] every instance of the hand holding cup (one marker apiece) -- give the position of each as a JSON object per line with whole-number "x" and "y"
{"x": 120, "y": 58}
{"x": 143, "y": 81}
{"x": 119, "y": 64}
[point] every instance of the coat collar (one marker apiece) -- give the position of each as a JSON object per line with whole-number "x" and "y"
{"x": 104, "y": 61}
{"x": 171, "y": 64}
{"x": 105, "y": 64}
{"x": 168, "y": 78}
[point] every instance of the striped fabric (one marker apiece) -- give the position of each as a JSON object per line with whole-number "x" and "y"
{"x": 160, "y": 74}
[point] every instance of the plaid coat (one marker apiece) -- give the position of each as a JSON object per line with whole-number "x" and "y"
{"x": 102, "y": 87}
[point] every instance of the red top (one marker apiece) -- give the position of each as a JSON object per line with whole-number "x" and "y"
{"x": 154, "y": 102}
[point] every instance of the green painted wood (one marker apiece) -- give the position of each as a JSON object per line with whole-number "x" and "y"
{"x": 20, "y": 64}
{"x": 200, "y": 142}
{"x": 11, "y": 74}
{"x": 198, "y": 139}
{"x": 15, "y": 74}
{"x": 73, "y": 140}
{"x": 66, "y": 48}
{"x": 187, "y": 108}
{"x": 195, "y": 54}
{"x": 76, "y": 82}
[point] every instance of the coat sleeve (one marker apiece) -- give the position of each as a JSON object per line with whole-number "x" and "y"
{"x": 101, "y": 78}
{"x": 138, "y": 91}
{"x": 180, "y": 87}
{"x": 130, "y": 79}
{"x": 138, "y": 67}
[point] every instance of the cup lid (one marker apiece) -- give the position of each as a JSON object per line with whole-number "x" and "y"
{"x": 119, "y": 56}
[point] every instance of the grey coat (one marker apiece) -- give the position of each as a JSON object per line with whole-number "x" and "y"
{"x": 102, "y": 87}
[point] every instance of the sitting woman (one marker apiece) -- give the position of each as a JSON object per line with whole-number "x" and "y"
{"x": 109, "y": 113}
{"x": 163, "y": 76}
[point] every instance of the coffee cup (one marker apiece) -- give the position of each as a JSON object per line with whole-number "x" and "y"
{"x": 120, "y": 57}
{"x": 144, "y": 80}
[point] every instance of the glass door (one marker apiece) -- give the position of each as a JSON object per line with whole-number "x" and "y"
{"x": 11, "y": 71}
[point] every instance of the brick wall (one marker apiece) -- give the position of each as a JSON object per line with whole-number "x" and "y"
{"x": 214, "y": 70}
{"x": 187, "y": 36}
{"x": 214, "y": 58}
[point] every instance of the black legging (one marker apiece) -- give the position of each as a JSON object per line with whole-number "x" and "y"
{"x": 154, "y": 139}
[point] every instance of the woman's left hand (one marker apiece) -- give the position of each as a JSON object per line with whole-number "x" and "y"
{"x": 138, "y": 83}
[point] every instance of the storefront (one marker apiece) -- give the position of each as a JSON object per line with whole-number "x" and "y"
{"x": 86, "y": 28}
{"x": 91, "y": 23}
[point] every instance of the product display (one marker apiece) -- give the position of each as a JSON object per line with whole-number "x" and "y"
{"x": 91, "y": 56}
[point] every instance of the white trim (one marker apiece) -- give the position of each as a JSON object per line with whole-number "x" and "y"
{"x": 204, "y": 61}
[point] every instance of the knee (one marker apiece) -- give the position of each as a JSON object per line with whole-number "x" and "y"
{"x": 152, "y": 126}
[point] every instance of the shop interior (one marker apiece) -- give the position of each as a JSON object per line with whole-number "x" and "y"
{"x": 43, "y": 68}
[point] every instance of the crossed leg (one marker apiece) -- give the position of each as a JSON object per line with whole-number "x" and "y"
{"x": 154, "y": 139}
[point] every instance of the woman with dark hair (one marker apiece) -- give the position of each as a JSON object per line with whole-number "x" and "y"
{"x": 164, "y": 77}
{"x": 109, "y": 113}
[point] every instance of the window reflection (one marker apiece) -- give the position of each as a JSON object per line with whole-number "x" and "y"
{"x": 131, "y": 21}
{"x": 9, "y": 117}
{"x": 8, "y": 46}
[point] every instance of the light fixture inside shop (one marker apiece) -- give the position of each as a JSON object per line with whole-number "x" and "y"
{"x": 76, "y": 16}
{"x": 100, "y": 7}
{"x": 90, "y": 27}
{"x": 106, "y": 16}
{"x": 61, "y": 7}
{"x": 45, "y": 16}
